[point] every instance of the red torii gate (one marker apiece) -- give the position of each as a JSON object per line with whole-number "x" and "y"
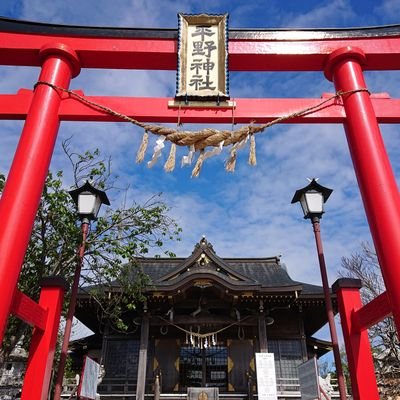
{"x": 62, "y": 51}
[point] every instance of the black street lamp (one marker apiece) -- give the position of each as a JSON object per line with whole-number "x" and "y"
{"x": 88, "y": 200}
{"x": 312, "y": 199}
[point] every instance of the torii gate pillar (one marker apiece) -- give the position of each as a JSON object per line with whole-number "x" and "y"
{"x": 372, "y": 167}
{"x": 22, "y": 192}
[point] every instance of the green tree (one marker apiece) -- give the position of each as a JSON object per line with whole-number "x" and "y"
{"x": 116, "y": 240}
{"x": 383, "y": 336}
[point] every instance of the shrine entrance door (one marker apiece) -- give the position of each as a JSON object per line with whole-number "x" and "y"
{"x": 206, "y": 367}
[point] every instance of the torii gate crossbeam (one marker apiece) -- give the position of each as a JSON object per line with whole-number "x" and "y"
{"x": 342, "y": 55}
{"x": 148, "y": 109}
{"x": 156, "y": 49}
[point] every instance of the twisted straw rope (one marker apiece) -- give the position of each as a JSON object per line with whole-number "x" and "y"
{"x": 204, "y": 335}
{"x": 207, "y": 136}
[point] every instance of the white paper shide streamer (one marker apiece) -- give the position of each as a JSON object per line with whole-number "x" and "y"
{"x": 214, "y": 152}
{"x": 157, "y": 151}
{"x": 187, "y": 160}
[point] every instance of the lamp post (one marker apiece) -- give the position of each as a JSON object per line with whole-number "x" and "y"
{"x": 88, "y": 200}
{"x": 312, "y": 198}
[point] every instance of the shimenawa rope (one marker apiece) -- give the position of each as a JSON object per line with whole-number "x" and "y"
{"x": 207, "y": 137}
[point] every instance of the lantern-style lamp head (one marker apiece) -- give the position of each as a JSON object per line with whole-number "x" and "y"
{"x": 312, "y": 198}
{"x": 88, "y": 200}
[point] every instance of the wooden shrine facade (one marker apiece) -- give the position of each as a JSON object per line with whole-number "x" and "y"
{"x": 202, "y": 323}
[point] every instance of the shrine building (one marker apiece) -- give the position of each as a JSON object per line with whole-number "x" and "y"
{"x": 203, "y": 320}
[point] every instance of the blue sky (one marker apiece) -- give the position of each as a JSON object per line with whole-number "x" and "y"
{"x": 246, "y": 213}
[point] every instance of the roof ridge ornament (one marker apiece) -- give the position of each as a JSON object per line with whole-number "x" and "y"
{"x": 203, "y": 244}
{"x": 203, "y": 260}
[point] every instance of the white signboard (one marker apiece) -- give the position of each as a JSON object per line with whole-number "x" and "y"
{"x": 202, "y": 57}
{"x": 90, "y": 375}
{"x": 266, "y": 378}
{"x": 308, "y": 378}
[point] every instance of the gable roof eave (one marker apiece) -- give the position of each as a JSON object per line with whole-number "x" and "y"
{"x": 204, "y": 247}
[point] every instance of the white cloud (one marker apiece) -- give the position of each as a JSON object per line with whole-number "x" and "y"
{"x": 328, "y": 14}
{"x": 389, "y": 10}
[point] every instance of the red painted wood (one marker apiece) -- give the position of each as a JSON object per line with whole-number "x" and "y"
{"x": 24, "y": 185}
{"x": 160, "y": 54}
{"x": 373, "y": 312}
{"x": 358, "y": 349}
{"x": 28, "y": 310}
{"x": 374, "y": 173}
{"x": 43, "y": 345}
{"x": 44, "y": 109}
{"x": 150, "y": 109}
{"x": 70, "y": 314}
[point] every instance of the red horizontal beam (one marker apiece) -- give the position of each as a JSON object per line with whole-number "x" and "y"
{"x": 373, "y": 312}
{"x": 146, "y": 109}
{"x": 382, "y": 54}
{"x": 255, "y": 54}
{"x": 29, "y": 311}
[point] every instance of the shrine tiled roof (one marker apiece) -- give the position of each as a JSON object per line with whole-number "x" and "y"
{"x": 260, "y": 274}
{"x": 224, "y": 284}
